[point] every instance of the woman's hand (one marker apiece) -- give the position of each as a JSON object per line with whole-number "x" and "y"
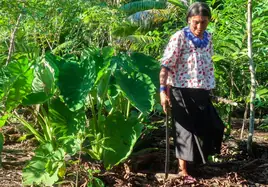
{"x": 165, "y": 101}
{"x": 164, "y": 89}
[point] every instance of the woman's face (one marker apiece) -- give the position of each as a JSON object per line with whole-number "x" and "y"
{"x": 198, "y": 25}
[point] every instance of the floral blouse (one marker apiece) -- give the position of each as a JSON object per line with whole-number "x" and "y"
{"x": 190, "y": 65}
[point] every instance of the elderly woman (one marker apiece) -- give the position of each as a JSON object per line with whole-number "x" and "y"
{"x": 186, "y": 78}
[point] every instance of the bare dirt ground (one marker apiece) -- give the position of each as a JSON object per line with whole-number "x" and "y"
{"x": 145, "y": 168}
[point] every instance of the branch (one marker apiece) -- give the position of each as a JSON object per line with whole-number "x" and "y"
{"x": 223, "y": 100}
{"x": 12, "y": 39}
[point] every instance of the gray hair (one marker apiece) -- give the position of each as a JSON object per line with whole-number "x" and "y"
{"x": 198, "y": 9}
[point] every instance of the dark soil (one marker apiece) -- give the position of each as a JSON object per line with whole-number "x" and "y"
{"x": 233, "y": 167}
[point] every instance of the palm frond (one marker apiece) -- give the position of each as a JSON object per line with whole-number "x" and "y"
{"x": 140, "y": 39}
{"x": 138, "y": 42}
{"x": 125, "y": 29}
{"x": 179, "y": 3}
{"x": 147, "y": 18}
{"x": 137, "y": 6}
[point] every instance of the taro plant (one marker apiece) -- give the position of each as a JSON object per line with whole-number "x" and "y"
{"x": 117, "y": 92}
{"x": 30, "y": 84}
{"x": 94, "y": 181}
{"x": 115, "y": 89}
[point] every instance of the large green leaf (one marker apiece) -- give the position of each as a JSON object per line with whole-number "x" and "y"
{"x": 55, "y": 62}
{"x": 121, "y": 136}
{"x": 67, "y": 123}
{"x": 76, "y": 80}
{"x": 44, "y": 167}
{"x": 44, "y": 78}
{"x": 103, "y": 86}
{"x": 3, "y": 81}
{"x": 108, "y": 52}
{"x": 104, "y": 80}
{"x": 20, "y": 83}
{"x": 3, "y": 120}
{"x": 36, "y": 98}
{"x": 138, "y": 88}
{"x": 123, "y": 63}
{"x": 147, "y": 65}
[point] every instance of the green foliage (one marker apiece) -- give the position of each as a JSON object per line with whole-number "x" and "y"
{"x": 94, "y": 181}
{"x": 121, "y": 135}
{"x": 76, "y": 80}
{"x": 260, "y": 35}
{"x": 148, "y": 18}
{"x": 125, "y": 29}
{"x": 36, "y": 98}
{"x": 230, "y": 47}
{"x": 19, "y": 82}
{"x": 44, "y": 78}
{"x": 3, "y": 120}
{"x": 261, "y": 98}
{"x": 142, "y": 94}
{"x": 46, "y": 166}
{"x": 100, "y": 94}
{"x": 99, "y": 23}
{"x": 264, "y": 125}
{"x": 1, "y": 146}
{"x": 135, "y": 6}
{"x": 150, "y": 36}
{"x": 68, "y": 126}
{"x": 39, "y": 136}
{"x": 147, "y": 65}
{"x": 63, "y": 87}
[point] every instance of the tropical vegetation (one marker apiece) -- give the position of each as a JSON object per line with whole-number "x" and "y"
{"x": 82, "y": 76}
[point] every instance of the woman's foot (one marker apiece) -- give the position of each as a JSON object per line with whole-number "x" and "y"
{"x": 187, "y": 179}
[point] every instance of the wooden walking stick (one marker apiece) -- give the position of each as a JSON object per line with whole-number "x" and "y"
{"x": 167, "y": 143}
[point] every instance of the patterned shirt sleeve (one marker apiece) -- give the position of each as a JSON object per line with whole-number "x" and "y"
{"x": 172, "y": 51}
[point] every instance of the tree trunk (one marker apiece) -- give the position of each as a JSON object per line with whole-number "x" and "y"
{"x": 12, "y": 40}
{"x": 244, "y": 120}
{"x": 253, "y": 81}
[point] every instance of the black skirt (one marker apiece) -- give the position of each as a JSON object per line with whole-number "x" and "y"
{"x": 195, "y": 119}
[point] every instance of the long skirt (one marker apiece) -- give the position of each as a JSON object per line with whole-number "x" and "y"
{"x": 195, "y": 121}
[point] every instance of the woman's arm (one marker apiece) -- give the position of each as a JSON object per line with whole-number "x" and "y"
{"x": 168, "y": 61}
{"x": 164, "y": 98}
{"x": 163, "y": 76}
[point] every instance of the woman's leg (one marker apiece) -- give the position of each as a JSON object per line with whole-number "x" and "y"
{"x": 187, "y": 179}
{"x": 182, "y": 167}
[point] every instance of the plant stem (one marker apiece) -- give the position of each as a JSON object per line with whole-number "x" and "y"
{"x": 95, "y": 129}
{"x": 77, "y": 172}
{"x": 111, "y": 111}
{"x": 140, "y": 115}
{"x": 128, "y": 108}
{"x": 12, "y": 39}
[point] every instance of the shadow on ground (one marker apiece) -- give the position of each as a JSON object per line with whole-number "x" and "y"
{"x": 234, "y": 167}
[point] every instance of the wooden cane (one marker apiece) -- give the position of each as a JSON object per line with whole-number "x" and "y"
{"x": 167, "y": 143}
